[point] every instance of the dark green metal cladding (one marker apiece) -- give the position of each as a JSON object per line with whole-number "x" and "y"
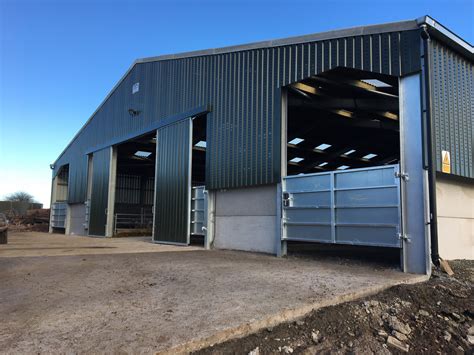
{"x": 452, "y": 108}
{"x": 243, "y": 89}
{"x": 100, "y": 191}
{"x": 172, "y": 183}
{"x": 77, "y": 179}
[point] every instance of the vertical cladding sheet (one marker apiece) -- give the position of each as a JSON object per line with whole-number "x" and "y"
{"x": 100, "y": 191}
{"x": 172, "y": 183}
{"x": 452, "y": 108}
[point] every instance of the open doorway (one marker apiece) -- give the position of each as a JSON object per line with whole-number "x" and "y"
{"x": 343, "y": 150}
{"x": 59, "y": 200}
{"x": 198, "y": 211}
{"x": 134, "y": 187}
{"x": 342, "y": 119}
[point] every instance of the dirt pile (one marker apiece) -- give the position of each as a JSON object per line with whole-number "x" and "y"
{"x": 35, "y": 220}
{"x": 435, "y": 316}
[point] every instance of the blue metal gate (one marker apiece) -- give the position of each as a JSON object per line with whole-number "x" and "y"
{"x": 357, "y": 206}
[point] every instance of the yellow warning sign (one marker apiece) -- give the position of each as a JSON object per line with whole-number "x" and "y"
{"x": 445, "y": 162}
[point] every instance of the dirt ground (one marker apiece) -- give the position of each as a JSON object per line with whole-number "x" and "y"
{"x": 63, "y": 294}
{"x": 432, "y": 317}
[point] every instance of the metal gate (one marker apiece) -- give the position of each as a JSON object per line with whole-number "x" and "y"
{"x": 58, "y": 215}
{"x": 87, "y": 214}
{"x": 357, "y": 206}
{"x": 198, "y": 210}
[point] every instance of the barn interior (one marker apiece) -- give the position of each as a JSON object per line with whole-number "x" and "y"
{"x": 198, "y": 171}
{"x": 342, "y": 119}
{"x": 135, "y": 186}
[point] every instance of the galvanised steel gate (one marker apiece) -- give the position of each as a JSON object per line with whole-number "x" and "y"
{"x": 357, "y": 206}
{"x": 198, "y": 210}
{"x": 58, "y": 214}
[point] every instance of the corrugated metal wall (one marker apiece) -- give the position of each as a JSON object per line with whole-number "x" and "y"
{"x": 100, "y": 191}
{"x": 173, "y": 183}
{"x": 452, "y": 108}
{"x": 77, "y": 179}
{"x": 243, "y": 88}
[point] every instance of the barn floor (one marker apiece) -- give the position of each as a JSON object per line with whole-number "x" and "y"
{"x": 76, "y": 294}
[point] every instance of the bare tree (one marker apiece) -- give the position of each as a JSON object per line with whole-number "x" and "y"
{"x": 20, "y": 196}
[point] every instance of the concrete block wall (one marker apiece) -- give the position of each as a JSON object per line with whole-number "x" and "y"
{"x": 75, "y": 219}
{"x": 246, "y": 219}
{"x": 455, "y": 205}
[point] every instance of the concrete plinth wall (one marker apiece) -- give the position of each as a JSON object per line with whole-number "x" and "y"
{"x": 76, "y": 219}
{"x": 455, "y": 205}
{"x": 245, "y": 219}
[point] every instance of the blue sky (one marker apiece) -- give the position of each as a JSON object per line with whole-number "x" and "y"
{"x": 59, "y": 59}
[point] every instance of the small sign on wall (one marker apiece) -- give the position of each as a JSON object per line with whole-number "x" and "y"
{"x": 135, "y": 88}
{"x": 445, "y": 162}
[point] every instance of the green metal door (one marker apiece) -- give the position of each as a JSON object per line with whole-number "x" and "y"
{"x": 173, "y": 183}
{"x": 100, "y": 191}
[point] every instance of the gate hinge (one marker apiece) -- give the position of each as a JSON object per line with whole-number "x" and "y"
{"x": 404, "y": 237}
{"x": 403, "y": 176}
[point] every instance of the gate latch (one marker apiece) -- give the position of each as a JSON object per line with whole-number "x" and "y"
{"x": 286, "y": 199}
{"x": 403, "y": 176}
{"x": 404, "y": 237}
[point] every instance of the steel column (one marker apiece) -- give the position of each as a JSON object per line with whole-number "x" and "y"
{"x": 109, "y": 229}
{"x": 415, "y": 231}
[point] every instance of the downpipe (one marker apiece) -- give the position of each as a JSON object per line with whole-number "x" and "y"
{"x": 430, "y": 162}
